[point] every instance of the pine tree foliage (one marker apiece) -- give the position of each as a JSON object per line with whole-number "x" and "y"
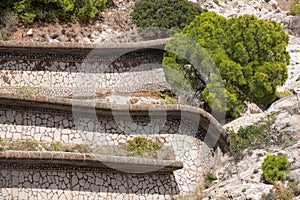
{"x": 250, "y": 55}
{"x": 167, "y": 14}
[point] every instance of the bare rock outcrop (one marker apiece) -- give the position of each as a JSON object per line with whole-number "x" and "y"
{"x": 242, "y": 179}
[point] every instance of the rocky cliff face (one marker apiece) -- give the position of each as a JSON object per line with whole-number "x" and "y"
{"x": 243, "y": 179}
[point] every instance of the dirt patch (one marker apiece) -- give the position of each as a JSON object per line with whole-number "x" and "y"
{"x": 285, "y": 4}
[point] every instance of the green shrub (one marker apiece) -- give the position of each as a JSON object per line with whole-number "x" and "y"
{"x": 29, "y": 11}
{"x": 81, "y": 148}
{"x": 26, "y": 145}
{"x": 209, "y": 178}
{"x": 25, "y": 90}
{"x": 275, "y": 168}
{"x": 141, "y": 146}
{"x": 283, "y": 94}
{"x": 169, "y": 98}
{"x": 168, "y": 14}
{"x": 295, "y": 8}
{"x": 245, "y": 138}
{"x": 138, "y": 148}
{"x": 249, "y": 54}
{"x": 216, "y": 2}
{"x": 250, "y": 137}
{"x": 57, "y": 146}
{"x": 31, "y": 145}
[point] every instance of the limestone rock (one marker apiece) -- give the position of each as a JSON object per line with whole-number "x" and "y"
{"x": 294, "y": 25}
{"x": 273, "y": 3}
{"x": 242, "y": 180}
{"x": 252, "y": 108}
{"x": 85, "y": 40}
{"x": 295, "y": 175}
{"x": 29, "y": 33}
{"x": 49, "y": 39}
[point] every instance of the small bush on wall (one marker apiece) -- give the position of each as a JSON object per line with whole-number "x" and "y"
{"x": 141, "y": 146}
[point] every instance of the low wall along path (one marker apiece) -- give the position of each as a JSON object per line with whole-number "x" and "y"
{"x": 63, "y": 107}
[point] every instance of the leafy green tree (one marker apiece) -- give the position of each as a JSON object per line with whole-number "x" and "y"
{"x": 54, "y": 10}
{"x": 165, "y": 13}
{"x": 250, "y": 55}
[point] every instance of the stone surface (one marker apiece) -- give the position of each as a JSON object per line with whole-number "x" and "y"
{"x": 61, "y": 77}
{"x": 48, "y": 125}
{"x": 47, "y": 118}
{"x": 34, "y": 184}
{"x": 29, "y": 32}
{"x": 246, "y": 174}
